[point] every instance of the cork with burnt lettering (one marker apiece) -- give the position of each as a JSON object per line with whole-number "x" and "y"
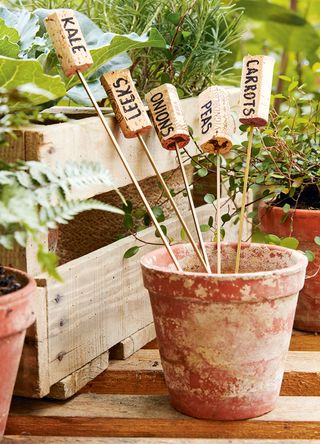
{"x": 68, "y": 41}
{"x": 127, "y": 105}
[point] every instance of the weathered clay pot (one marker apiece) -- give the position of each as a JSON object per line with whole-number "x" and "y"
{"x": 303, "y": 225}
{"x": 224, "y": 338}
{"x": 16, "y": 315}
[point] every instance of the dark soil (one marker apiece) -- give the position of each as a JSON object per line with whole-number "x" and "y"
{"x": 8, "y": 282}
{"x": 308, "y": 199}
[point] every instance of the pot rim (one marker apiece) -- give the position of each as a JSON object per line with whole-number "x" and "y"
{"x": 292, "y": 210}
{"x": 23, "y": 291}
{"x": 301, "y": 259}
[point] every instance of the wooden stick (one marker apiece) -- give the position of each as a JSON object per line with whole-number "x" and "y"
{"x": 215, "y": 137}
{"x": 193, "y": 211}
{"x": 173, "y": 203}
{"x": 134, "y": 121}
{"x": 218, "y": 216}
{"x": 74, "y": 56}
{"x": 166, "y": 111}
{"x": 244, "y": 198}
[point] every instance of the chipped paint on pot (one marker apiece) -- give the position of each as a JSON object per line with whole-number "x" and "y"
{"x": 16, "y": 315}
{"x": 303, "y": 225}
{"x": 223, "y": 339}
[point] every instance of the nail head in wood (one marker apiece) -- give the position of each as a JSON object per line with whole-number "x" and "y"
{"x": 256, "y": 84}
{"x": 166, "y": 112}
{"x": 68, "y": 41}
{"x": 215, "y": 120}
{"x": 127, "y": 105}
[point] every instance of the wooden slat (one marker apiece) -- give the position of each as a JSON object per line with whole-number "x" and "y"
{"x": 71, "y": 384}
{"x": 124, "y": 349}
{"x": 142, "y": 416}
{"x": 87, "y": 440}
{"x": 303, "y": 341}
{"x": 142, "y": 374}
{"x": 33, "y": 374}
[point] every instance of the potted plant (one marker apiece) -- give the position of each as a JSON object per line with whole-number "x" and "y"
{"x": 33, "y": 198}
{"x": 285, "y": 178}
{"x": 223, "y": 338}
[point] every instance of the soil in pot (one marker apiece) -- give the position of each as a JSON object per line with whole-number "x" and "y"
{"x": 16, "y": 315}
{"x": 304, "y": 225}
{"x": 223, "y": 339}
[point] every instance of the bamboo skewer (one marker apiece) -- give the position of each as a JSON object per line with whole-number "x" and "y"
{"x": 173, "y": 133}
{"x": 134, "y": 121}
{"x": 244, "y": 198}
{"x": 215, "y": 130}
{"x": 64, "y": 30}
{"x": 256, "y": 84}
{"x": 193, "y": 210}
{"x": 218, "y": 216}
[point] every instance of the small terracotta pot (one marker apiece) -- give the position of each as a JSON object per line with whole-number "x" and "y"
{"x": 304, "y": 225}
{"x": 223, "y": 339}
{"x": 16, "y": 315}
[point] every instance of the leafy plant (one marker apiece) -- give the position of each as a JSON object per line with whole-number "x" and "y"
{"x": 27, "y": 56}
{"x": 200, "y": 37}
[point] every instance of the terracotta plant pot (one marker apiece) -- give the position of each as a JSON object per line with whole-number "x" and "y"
{"x": 223, "y": 339}
{"x": 16, "y": 315}
{"x": 304, "y": 225}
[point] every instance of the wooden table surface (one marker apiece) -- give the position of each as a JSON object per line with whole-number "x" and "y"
{"x": 128, "y": 403}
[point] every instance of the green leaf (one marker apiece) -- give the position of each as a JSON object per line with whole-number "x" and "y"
{"x": 286, "y": 208}
{"x": 128, "y": 221}
{"x": 11, "y": 33}
{"x": 209, "y": 198}
{"x": 225, "y": 217}
{"x": 8, "y": 48}
{"x": 131, "y": 252}
{"x": 183, "y": 234}
{"x": 289, "y": 242}
{"x": 17, "y": 73}
{"x": 273, "y": 239}
{"x": 265, "y": 11}
{"x": 286, "y": 79}
{"x": 268, "y": 141}
{"x": 317, "y": 240}
{"x": 293, "y": 85}
{"x": 310, "y": 255}
{"x": 173, "y": 17}
{"x": 210, "y": 221}
{"x": 158, "y": 212}
{"x": 163, "y": 229}
{"x": 48, "y": 262}
{"x": 202, "y": 172}
{"x": 204, "y": 228}
{"x": 118, "y": 45}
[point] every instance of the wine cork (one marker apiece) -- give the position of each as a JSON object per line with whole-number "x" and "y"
{"x": 215, "y": 120}
{"x": 166, "y": 112}
{"x": 126, "y": 103}
{"x": 256, "y": 84}
{"x": 64, "y": 31}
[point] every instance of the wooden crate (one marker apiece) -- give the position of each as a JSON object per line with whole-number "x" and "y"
{"x": 130, "y": 400}
{"x": 101, "y": 303}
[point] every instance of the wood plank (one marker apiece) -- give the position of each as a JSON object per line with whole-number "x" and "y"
{"x": 124, "y": 349}
{"x": 87, "y": 440}
{"x": 102, "y": 300}
{"x": 139, "y": 416}
{"x": 33, "y": 374}
{"x": 304, "y": 341}
{"x": 48, "y": 144}
{"x": 71, "y": 384}
{"x": 142, "y": 374}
